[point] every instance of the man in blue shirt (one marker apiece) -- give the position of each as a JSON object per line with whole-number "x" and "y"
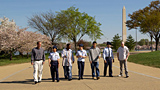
{"x": 37, "y": 60}
{"x": 108, "y": 57}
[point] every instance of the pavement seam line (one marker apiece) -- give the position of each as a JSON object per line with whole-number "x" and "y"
{"x": 14, "y": 74}
{"x": 140, "y": 73}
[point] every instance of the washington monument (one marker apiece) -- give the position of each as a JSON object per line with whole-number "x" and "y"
{"x": 124, "y": 37}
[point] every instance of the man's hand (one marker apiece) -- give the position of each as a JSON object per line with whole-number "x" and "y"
{"x": 99, "y": 57}
{"x": 49, "y": 65}
{"x": 32, "y": 63}
{"x": 90, "y": 62}
{"x": 105, "y": 61}
{"x": 43, "y": 62}
{"x": 113, "y": 60}
{"x": 73, "y": 62}
{"x": 118, "y": 59}
{"x": 126, "y": 59}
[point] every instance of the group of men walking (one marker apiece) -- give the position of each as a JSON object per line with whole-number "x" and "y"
{"x": 94, "y": 54}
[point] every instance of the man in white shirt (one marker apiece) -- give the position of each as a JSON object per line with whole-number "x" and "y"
{"x": 108, "y": 57}
{"x": 81, "y": 55}
{"x": 68, "y": 59}
{"x": 123, "y": 54}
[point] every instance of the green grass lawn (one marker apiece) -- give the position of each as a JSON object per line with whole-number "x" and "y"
{"x": 149, "y": 59}
{"x": 4, "y": 60}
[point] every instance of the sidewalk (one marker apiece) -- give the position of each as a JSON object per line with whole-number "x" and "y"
{"x": 20, "y": 77}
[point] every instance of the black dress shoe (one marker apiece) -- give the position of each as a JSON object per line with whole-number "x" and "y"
{"x": 111, "y": 76}
{"x": 53, "y": 80}
{"x": 66, "y": 78}
{"x": 35, "y": 82}
{"x": 39, "y": 81}
{"x": 79, "y": 78}
{"x": 57, "y": 80}
{"x": 127, "y": 76}
{"x": 69, "y": 79}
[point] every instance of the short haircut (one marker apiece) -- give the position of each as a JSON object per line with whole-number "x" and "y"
{"x": 94, "y": 42}
{"x": 38, "y": 42}
{"x": 122, "y": 42}
{"x": 68, "y": 44}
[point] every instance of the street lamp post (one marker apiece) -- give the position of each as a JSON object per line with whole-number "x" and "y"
{"x": 136, "y": 40}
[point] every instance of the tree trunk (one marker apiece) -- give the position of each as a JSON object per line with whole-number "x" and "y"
{"x": 151, "y": 43}
{"x": 21, "y": 54}
{"x": 10, "y": 55}
{"x": 157, "y": 41}
{"x": 75, "y": 46}
{"x": 53, "y": 41}
{"x": 27, "y": 55}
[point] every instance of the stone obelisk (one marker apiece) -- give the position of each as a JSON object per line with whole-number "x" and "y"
{"x": 124, "y": 37}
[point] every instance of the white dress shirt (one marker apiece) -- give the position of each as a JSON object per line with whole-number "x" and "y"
{"x": 81, "y": 53}
{"x": 67, "y": 61}
{"x": 54, "y": 56}
{"x": 107, "y": 52}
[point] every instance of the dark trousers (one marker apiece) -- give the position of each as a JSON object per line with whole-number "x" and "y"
{"x": 109, "y": 62}
{"x": 95, "y": 65}
{"x": 54, "y": 69}
{"x": 80, "y": 68}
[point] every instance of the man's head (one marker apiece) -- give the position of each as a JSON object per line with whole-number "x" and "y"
{"x": 39, "y": 44}
{"x": 94, "y": 44}
{"x": 80, "y": 46}
{"x": 122, "y": 44}
{"x": 54, "y": 48}
{"x": 109, "y": 44}
{"x": 68, "y": 46}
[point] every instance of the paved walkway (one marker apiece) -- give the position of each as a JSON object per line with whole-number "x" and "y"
{"x": 20, "y": 77}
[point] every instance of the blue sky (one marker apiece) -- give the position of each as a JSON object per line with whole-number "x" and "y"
{"x": 107, "y": 12}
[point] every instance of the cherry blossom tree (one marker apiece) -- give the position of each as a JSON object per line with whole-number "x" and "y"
{"x": 13, "y": 38}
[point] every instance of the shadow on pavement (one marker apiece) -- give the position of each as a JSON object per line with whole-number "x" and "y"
{"x": 27, "y": 81}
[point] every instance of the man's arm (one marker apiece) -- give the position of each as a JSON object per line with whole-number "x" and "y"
{"x": 99, "y": 53}
{"x": 62, "y": 54}
{"x": 72, "y": 57}
{"x": 43, "y": 57}
{"x": 58, "y": 59}
{"x": 85, "y": 55}
{"x": 49, "y": 62}
{"x": 90, "y": 56}
{"x": 127, "y": 54}
{"x": 32, "y": 57}
{"x": 104, "y": 56}
{"x": 112, "y": 56}
{"x": 77, "y": 55}
{"x": 118, "y": 55}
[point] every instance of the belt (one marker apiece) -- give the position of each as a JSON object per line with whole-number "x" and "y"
{"x": 54, "y": 60}
{"x": 108, "y": 57}
{"x": 38, "y": 60}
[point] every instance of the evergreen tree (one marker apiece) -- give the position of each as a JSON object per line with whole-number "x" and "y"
{"x": 130, "y": 43}
{"x": 116, "y": 42}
